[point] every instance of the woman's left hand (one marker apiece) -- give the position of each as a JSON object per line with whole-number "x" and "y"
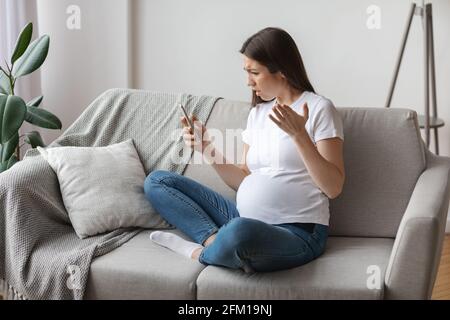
{"x": 290, "y": 121}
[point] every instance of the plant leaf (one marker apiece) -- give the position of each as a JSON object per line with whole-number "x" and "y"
{"x": 22, "y": 42}
{"x": 9, "y": 148}
{"x": 3, "y": 166}
{"x": 42, "y": 118}
{"x": 35, "y": 102}
{"x": 5, "y": 85}
{"x": 12, "y": 161}
{"x": 34, "y": 139}
{"x": 12, "y": 114}
{"x": 33, "y": 57}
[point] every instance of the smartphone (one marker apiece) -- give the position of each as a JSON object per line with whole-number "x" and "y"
{"x": 187, "y": 118}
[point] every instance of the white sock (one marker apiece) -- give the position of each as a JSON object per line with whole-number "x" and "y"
{"x": 175, "y": 243}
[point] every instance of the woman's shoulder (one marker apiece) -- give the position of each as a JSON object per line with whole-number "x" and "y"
{"x": 317, "y": 101}
{"x": 321, "y": 108}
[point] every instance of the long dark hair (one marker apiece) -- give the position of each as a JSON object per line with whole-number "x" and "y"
{"x": 275, "y": 49}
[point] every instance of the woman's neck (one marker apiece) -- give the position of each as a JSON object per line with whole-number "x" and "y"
{"x": 288, "y": 97}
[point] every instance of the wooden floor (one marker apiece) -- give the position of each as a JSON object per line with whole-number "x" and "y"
{"x": 441, "y": 289}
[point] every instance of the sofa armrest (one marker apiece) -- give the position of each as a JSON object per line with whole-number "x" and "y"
{"x": 415, "y": 256}
{"x": 31, "y": 176}
{"x": 27, "y": 188}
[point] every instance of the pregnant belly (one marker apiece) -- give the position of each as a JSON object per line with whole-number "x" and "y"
{"x": 279, "y": 193}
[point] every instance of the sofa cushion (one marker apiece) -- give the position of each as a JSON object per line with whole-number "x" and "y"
{"x": 103, "y": 187}
{"x": 342, "y": 272}
{"x": 384, "y": 156}
{"x": 140, "y": 269}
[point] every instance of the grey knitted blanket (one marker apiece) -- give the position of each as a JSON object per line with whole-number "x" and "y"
{"x": 41, "y": 257}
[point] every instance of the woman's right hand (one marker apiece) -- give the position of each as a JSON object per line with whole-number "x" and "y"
{"x": 193, "y": 139}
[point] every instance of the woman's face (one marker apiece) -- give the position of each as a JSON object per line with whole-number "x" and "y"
{"x": 265, "y": 84}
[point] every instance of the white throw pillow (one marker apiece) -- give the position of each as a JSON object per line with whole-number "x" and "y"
{"x": 103, "y": 188}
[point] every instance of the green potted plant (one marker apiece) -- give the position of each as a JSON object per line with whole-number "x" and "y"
{"x": 27, "y": 57}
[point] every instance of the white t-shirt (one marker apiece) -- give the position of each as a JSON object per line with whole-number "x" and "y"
{"x": 279, "y": 188}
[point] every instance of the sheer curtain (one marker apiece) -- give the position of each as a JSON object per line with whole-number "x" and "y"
{"x": 14, "y": 16}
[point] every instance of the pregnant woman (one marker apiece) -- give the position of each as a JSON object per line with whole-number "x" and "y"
{"x": 292, "y": 164}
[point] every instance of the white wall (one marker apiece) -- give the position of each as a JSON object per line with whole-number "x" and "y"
{"x": 192, "y": 46}
{"x": 82, "y": 63}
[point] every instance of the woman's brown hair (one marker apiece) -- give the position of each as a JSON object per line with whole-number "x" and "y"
{"x": 275, "y": 49}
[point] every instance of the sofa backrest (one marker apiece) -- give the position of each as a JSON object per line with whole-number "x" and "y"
{"x": 384, "y": 156}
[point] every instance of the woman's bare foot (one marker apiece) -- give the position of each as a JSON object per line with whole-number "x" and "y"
{"x": 210, "y": 240}
{"x": 196, "y": 253}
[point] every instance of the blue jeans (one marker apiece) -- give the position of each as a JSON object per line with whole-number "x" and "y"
{"x": 241, "y": 243}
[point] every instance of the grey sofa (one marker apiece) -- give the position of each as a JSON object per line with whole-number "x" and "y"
{"x": 386, "y": 228}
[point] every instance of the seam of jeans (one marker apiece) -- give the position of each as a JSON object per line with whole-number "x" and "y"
{"x": 207, "y": 199}
{"x": 207, "y": 236}
{"x": 245, "y": 262}
{"x": 306, "y": 241}
{"x": 261, "y": 255}
{"x": 200, "y": 257}
{"x": 157, "y": 180}
{"x": 314, "y": 236}
{"x": 195, "y": 209}
{"x": 219, "y": 209}
{"x": 321, "y": 242}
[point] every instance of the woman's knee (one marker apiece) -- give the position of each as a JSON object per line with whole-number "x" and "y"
{"x": 157, "y": 176}
{"x": 232, "y": 243}
{"x": 238, "y": 232}
{"x": 153, "y": 180}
